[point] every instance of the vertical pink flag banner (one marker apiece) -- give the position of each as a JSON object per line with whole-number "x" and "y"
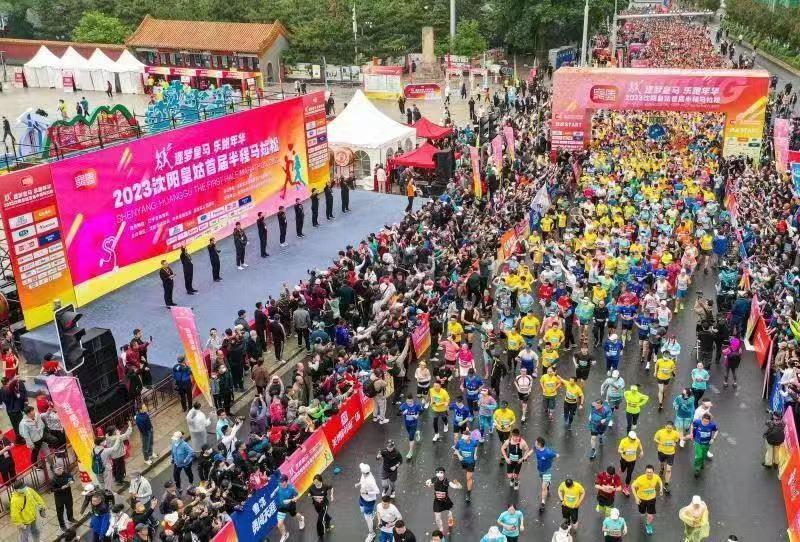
{"x": 190, "y": 339}
{"x": 508, "y": 131}
{"x": 755, "y": 314}
{"x": 497, "y": 149}
{"x": 476, "y": 173}
{"x": 781, "y": 142}
{"x": 71, "y": 408}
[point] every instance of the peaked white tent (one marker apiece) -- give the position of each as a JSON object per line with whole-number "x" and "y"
{"x": 369, "y": 134}
{"x": 73, "y": 62}
{"x": 130, "y": 72}
{"x": 43, "y": 70}
{"x": 103, "y": 71}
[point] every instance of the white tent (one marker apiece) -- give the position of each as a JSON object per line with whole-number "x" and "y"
{"x": 130, "y": 72}
{"x": 73, "y": 62}
{"x": 43, "y": 70}
{"x": 103, "y": 71}
{"x": 368, "y": 133}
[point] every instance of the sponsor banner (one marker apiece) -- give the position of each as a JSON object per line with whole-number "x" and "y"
{"x": 313, "y": 457}
{"x": 790, "y": 446}
{"x": 35, "y": 237}
{"x": 226, "y": 534}
{"x": 192, "y": 347}
{"x": 776, "y": 402}
{"x": 508, "y": 132}
{"x": 316, "y": 125}
{"x": 68, "y": 81}
{"x": 303, "y": 71}
{"x": 71, "y": 408}
{"x": 497, "y": 150}
{"x": 761, "y": 342}
{"x": 19, "y": 77}
{"x": 421, "y": 336}
{"x": 790, "y": 485}
{"x": 259, "y": 513}
{"x": 127, "y": 207}
{"x": 507, "y": 244}
{"x": 341, "y": 427}
{"x": 383, "y": 82}
{"x": 755, "y": 314}
{"x": 741, "y": 95}
{"x": 781, "y": 142}
{"x": 477, "y": 188}
{"x": 428, "y": 91}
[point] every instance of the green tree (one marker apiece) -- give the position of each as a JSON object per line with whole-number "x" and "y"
{"x": 55, "y": 19}
{"x": 94, "y": 27}
{"x": 468, "y": 40}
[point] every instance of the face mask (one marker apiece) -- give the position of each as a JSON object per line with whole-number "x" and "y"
{"x": 440, "y": 475}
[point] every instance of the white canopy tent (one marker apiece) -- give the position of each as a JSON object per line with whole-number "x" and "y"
{"x": 130, "y": 72}
{"x": 368, "y": 133}
{"x": 43, "y": 70}
{"x": 103, "y": 71}
{"x": 73, "y": 62}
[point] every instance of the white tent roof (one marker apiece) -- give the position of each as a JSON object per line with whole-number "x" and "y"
{"x": 100, "y": 61}
{"x": 361, "y": 124}
{"x": 127, "y": 62}
{"x": 72, "y": 60}
{"x": 44, "y": 58}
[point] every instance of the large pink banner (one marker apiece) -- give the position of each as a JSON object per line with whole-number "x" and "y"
{"x": 67, "y": 397}
{"x": 508, "y": 131}
{"x": 127, "y": 207}
{"x": 497, "y": 149}
{"x": 781, "y": 142}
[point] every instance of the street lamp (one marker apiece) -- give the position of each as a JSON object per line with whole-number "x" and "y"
{"x": 584, "y": 43}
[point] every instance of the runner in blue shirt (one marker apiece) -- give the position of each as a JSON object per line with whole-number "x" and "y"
{"x": 512, "y": 523}
{"x": 472, "y": 385}
{"x": 704, "y": 431}
{"x": 410, "y": 411}
{"x": 462, "y": 416}
{"x": 613, "y": 350}
{"x": 287, "y": 504}
{"x": 627, "y": 315}
{"x": 466, "y": 450}
{"x": 544, "y": 464}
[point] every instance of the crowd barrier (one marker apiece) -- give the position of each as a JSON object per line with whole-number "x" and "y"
{"x": 259, "y": 513}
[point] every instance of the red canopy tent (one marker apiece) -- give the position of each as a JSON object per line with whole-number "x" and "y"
{"x": 419, "y": 158}
{"x": 428, "y": 130}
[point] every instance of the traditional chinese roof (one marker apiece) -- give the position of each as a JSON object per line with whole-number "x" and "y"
{"x": 253, "y": 38}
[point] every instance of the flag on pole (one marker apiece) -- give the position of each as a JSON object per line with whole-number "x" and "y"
{"x": 476, "y": 173}
{"x": 541, "y": 201}
{"x": 71, "y": 409}
{"x": 190, "y": 339}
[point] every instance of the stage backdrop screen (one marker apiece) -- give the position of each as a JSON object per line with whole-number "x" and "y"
{"x": 741, "y": 95}
{"x": 127, "y": 207}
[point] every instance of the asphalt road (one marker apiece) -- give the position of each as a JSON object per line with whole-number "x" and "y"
{"x": 732, "y": 484}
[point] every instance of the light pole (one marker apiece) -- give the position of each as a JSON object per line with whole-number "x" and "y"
{"x": 452, "y": 19}
{"x": 614, "y": 33}
{"x": 584, "y": 44}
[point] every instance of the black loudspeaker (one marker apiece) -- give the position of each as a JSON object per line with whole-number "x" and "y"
{"x": 98, "y": 375}
{"x": 444, "y": 165}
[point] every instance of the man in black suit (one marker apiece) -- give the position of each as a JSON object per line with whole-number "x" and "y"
{"x": 261, "y": 223}
{"x": 409, "y": 116}
{"x": 240, "y": 242}
{"x": 167, "y": 281}
{"x": 315, "y": 207}
{"x": 278, "y": 333}
{"x": 299, "y": 217}
{"x": 345, "y": 194}
{"x": 213, "y": 255}
{"x": 260, "y": 324}
{"x": 188, "y": 271}
{"x": 282, "y": 224}
{"x": 329, "y": 201}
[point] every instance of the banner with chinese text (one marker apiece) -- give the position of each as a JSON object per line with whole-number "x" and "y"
{"x": 67, "y": 397}
{"x": 192, "y": 348}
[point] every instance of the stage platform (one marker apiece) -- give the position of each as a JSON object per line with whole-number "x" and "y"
{"x": 140, "y": 304}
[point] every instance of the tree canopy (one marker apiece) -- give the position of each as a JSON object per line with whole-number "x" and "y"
{"x": 324, "y": 27}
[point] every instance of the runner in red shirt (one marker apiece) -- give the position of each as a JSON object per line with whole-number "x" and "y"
{"x": 607, "y": 484}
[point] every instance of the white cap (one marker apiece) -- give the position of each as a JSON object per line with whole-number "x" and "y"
{"x": 697, "y": 500}
{"x": 614, "y": 374}
{"x": 614, "y": 513}
{"x": 364, "y": 468}
{"x": 88, "y": 488}
{"x": 177, "y": 435}
{"x": 613, "y": 337}
{"x": 632, "y": 435}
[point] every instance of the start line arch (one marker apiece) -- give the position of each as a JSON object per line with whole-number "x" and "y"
{"x": 741, "y": 95}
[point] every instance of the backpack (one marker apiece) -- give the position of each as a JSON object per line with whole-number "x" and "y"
{"x": 98, "y": 467}
{"x": 369, "y": 389}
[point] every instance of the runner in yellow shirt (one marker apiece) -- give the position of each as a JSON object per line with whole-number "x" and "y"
{"x": 571, "y": 494}
{"x": 630, "y": 449}
{"x": 573, "y": 399}
{"x": 646, "y": 488}
{"x": 514, "y": 343}
{"x": 529, "y": 328}
{"x": 440, "y": 402}
{"x": 549, "y": 357}
{"x": 504, "y": 420}
{"x": 455, "y": 329}
{"x": 664, "y": 371}
{"x": 667, "y": 438}
{"x": 550, "y": 383}
{"x": 554, "y": 336}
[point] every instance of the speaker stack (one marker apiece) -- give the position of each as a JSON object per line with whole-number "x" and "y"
{"x": 99, "y": 374}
